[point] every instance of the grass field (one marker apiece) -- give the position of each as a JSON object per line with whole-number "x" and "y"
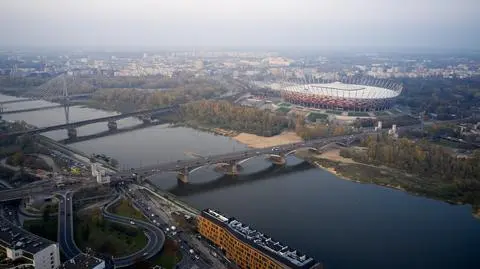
{"x": 283, "y": 109}
{"x": 334, "y": 112}
{"x": 125, "y": 208}
{"x": 91, "y": 230}
{"x": 358, "y": 114}
{"x": 313, "y": 116}
{"x": 381, "y": 113}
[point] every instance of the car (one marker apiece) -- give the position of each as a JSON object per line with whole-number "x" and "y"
{"x": 131, "y": 222}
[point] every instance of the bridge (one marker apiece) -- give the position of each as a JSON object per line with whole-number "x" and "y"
{"x": 50, "y": 98}
{"x": 112, "y": 125}
{"x": 230, "y": 163}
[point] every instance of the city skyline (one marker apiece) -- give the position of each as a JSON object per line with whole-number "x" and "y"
{"x": 286, "y": 23}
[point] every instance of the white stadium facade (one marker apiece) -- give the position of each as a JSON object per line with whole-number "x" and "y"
{"x": 362, "y": 94}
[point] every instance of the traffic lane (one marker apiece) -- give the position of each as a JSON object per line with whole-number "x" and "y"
{"x": 156, "y": 235}
{"x": 178, "y": 236}
{"x": 154, "y": 244}
{"x": 69, "y": 225}
{"x": 64, "y": 245}
{"x": 188, "y": 257}
{"x": 132, "y": 258}
{"x": 145, "y": 204}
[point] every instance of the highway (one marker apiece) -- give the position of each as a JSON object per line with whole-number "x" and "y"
{"x": 160, "y": 216}
{"x": 66, "y": 233}
{"x": 156, "y": 237}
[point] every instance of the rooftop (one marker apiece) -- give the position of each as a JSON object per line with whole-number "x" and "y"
{"x": 267, "y": 244}
{"x": 15, "y": 237}
{"x": 342, "y": 90}
{"x": 81, "y": 261}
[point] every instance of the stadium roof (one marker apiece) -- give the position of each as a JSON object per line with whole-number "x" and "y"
{"x": 343, "y": 90}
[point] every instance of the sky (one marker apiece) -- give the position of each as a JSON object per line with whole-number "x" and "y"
{"x": 239, "y": 23}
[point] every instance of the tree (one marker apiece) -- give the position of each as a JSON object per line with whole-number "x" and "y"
{"x": 141, "y": 264}
{"x": 46, "y": 214}
{"x": 86, "y": 232}
{"x": 18, "y": 158}
{"x": 114, "y": 162}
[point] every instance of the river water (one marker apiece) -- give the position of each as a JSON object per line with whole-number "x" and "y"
{"x": 341, "y": 223}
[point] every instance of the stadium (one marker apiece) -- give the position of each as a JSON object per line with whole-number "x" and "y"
{"x": 363, "y": 94}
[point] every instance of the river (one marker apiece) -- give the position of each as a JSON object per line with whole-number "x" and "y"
{"x": 341, "y": 223}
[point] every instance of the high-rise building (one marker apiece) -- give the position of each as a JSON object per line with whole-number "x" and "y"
{"x": 249, "y": 248}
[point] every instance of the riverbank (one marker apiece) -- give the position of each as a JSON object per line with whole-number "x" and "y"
{"x": 351, "y": 170}
{"x": 251, "y": 140}
{"x": 255, "y": 141}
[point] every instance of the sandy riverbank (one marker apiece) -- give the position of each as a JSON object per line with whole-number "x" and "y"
{"x": 255, "y": 141}
{"x": 334, "y": 155}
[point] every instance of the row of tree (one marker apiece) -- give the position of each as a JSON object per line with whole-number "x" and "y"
{"x": 459, "y": 176}
{"x": 444, "y": 97}
{"x": 127, "y": 99}
{"x": 224, "y": 114}
{"x": 319, "y": 130}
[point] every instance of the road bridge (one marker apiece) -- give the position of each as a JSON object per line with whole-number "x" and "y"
{"x": 109, "y": 132}
{"x": 71, "y": 127}
{"x": 230, "y": 163}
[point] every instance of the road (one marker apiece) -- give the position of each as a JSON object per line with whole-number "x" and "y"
{"x": 19, "y": 193}
{"x": 159, "y": 213}
{"x": 156, "y": 237}
{"x": 66, "y": 233}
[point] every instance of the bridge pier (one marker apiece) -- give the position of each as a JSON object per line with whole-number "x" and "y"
{"x": 182, "y": 176}
{"x": 231, "y": 169}
{"x": 277, "y": 159}
{"x": 72, "y": 133}
{"x": 112, "y": 125}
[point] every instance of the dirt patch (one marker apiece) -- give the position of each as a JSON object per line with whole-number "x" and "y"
{"x": 255, "y": 141}
{"x": 334, "y": 155}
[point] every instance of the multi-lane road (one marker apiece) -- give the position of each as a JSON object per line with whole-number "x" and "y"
{"x": 66, "y": 234}
{"x": 156, "y": 237}
{"x": 154, "y": 213}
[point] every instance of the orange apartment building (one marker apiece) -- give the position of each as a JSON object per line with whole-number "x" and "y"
{"x": 248, "y": 248}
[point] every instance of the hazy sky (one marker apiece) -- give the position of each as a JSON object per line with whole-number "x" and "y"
{"x": 323, "y": 23}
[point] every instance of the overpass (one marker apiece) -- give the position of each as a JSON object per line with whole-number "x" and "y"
{"x": 22, "y": 192}
{"x": 230, "y": 163}
{"x": 71, "y": 127}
